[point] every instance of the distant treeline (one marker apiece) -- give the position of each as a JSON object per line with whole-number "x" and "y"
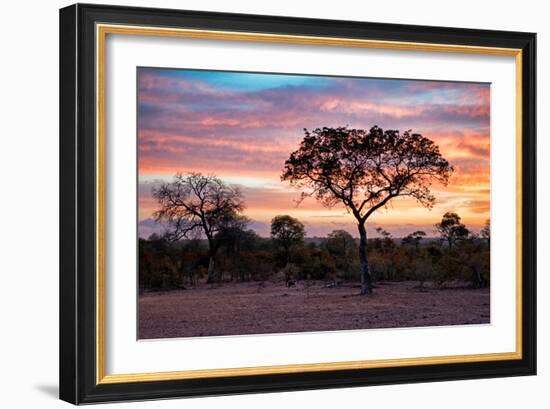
{"x": 456, "y": 256}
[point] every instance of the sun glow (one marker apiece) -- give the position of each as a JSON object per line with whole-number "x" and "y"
{"x": 243, "y": 127}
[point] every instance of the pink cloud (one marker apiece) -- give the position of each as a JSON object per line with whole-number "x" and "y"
{"x": 189, "y": 125}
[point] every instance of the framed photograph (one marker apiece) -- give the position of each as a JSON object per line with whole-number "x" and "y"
{"x": 257, "y": 203}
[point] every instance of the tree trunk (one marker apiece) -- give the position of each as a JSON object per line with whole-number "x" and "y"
{"x": 211, "y": 274}
{"x": 287, "y": 255}
{"x": 212, "y": 250}
{"x": 366, "y": 287}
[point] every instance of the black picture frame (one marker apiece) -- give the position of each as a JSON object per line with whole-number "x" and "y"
{"x": 78, "y": 257}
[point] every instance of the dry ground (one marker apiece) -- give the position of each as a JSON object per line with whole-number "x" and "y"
{"x": 254, "y": 308}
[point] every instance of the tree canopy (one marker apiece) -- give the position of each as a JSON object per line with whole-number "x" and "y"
{"x": 485, "y": 232}
{"x": 414, "y": 238}
{"x": 287, "y": 231}
{"x": 364, "y": 170}
{"x": 451, "y": 229}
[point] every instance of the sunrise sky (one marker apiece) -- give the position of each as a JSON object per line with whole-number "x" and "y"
{"x": 243, "y": 126}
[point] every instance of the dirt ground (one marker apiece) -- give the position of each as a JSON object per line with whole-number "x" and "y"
{"x": 254, "y": 308}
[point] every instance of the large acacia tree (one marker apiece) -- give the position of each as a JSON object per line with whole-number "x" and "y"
{"x": 364, "y": 171}
{"x": 195, "y": 204}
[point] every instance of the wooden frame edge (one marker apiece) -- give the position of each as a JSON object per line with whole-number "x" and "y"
{"x": 103, "y": 29}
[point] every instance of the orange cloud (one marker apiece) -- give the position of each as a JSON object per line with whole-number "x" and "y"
{"x": 244, "y": 132}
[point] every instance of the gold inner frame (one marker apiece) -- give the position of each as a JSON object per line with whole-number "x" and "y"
{"x": 101, "y": 33}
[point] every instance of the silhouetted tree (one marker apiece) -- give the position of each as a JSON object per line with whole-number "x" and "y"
{"x": 196, "y": 204}
{"x": 387, "y": 240}
{"x": 233, "y": 232}
{"x": 364, "y": 171}
{"x": 287, "y": 231}
{"x": 451, "y": 229}
{"x": 387, "y": 249}
{"x": 339, "y": 242}
{"x": 341, "y": 247}
{"x": 414, "y": 238}
{"x": 485, "y": 233}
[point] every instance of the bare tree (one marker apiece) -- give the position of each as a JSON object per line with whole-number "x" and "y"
{"x": 364, "y": 171}
{"x": 451, "y": 229}
{"x": 197, "y": 204}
